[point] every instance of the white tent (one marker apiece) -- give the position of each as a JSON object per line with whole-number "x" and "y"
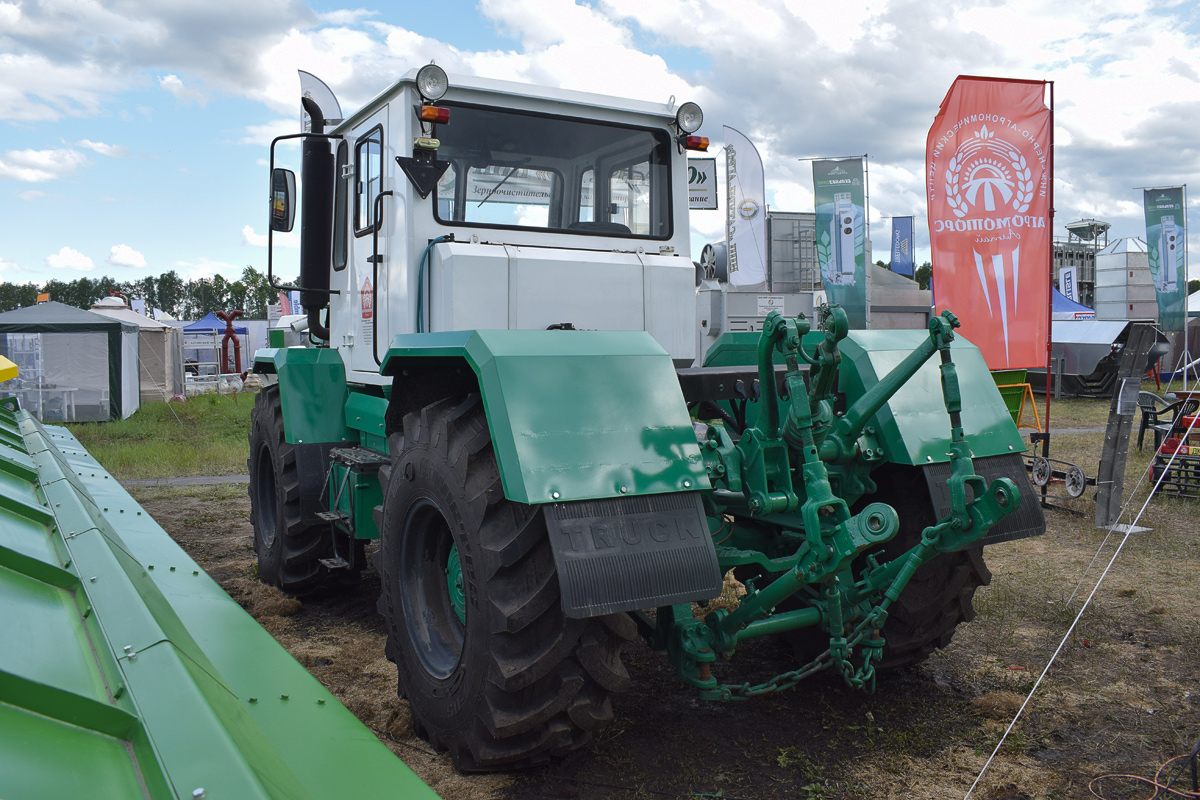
{"x": 75, "y": 365}
{"x": 160, "y": 357}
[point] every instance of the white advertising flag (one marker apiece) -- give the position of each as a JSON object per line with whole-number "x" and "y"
{"x": 745, "y": 211}
{"x": 1067, "y": 283}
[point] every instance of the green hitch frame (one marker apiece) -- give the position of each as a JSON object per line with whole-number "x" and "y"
{"x": 755, "y": 477}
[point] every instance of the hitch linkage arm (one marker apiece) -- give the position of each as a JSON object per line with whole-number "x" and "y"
{"x": 839, "y": 446}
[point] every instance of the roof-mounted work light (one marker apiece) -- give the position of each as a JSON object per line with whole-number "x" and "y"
{"x": 432, "y": 82}
{"x": 689, "y": 118}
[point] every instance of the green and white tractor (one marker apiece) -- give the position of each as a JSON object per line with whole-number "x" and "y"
{"x": 500, "y": 382}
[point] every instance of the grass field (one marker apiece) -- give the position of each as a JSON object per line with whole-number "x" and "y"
{"x": 207, "y": 435}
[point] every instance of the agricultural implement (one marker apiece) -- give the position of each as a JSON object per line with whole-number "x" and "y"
{"x": 127, "y": 672}
{"x": 502, "y": 385}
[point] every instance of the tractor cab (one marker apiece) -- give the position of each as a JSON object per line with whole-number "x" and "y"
{"x": 461, "y": 203}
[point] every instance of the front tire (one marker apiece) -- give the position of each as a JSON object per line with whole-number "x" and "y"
{"x": 493, "y": 670}
{"x": 289, "y": 547}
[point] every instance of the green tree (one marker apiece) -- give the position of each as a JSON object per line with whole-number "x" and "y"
{"x": 171, "y": 294}
{"x": 258, "y": 293}
{"x": 1193, "y": 286}
{"x": 924, "y": 275}
{"x": 17, "y": 295}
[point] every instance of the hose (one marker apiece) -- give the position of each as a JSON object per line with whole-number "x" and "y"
{"x": 421, "y": 282}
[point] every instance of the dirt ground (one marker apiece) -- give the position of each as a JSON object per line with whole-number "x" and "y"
{"x": 1121, "y": 698}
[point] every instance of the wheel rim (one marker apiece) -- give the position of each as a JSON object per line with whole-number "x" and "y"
{"x": 265, "y": 497}
{"x": 431, "y": 616}
{"x": 1076, "y": 481}
{"x": 1040, "y": 474}
{"x": 454, "y": 585}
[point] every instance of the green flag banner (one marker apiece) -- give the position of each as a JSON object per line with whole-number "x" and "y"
{"x": 841, "y": 234}
{"x": 1166, "y": 239}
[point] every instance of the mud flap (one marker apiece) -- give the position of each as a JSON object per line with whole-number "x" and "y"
{"x": 1026, "y": 521}
{"x": 630, "y": 553}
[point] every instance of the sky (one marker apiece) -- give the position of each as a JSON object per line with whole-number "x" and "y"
{"x": 134, "y": 134}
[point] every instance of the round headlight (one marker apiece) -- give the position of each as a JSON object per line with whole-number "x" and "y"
{"x": 432, "y": 82}
{"x": 689, "y": 118}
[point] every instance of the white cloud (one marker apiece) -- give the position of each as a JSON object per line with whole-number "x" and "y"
{"x": 68, "y": 258}
{"x": 252, "y": 239}
{"x": 204, "y": 268}
{"x": 346, "y": 17}
{"x": 32, "y": 194}
{"x": 35, "y": 166}
{"x": 184, "y": 94}
{"x": 261, "y": 135}
{"x": 113, "y": 150}
{"x": 10, "y": 266}
{"x": 123, "y": 255}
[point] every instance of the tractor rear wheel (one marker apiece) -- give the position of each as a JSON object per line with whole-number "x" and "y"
{"x": 940, "y": 595}
{"x": 493, "y": 670}
{"x": 937, "y": 598}
{"x": 289, "y": 547}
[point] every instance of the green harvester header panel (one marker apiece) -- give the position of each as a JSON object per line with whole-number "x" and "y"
{"x": 127, "y": 672}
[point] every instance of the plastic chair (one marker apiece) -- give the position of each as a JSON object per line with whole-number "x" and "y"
{"x": 1165, "y": 420}
{"x": 1151, "y": 406}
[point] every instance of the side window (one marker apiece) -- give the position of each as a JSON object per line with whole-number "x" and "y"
{"x": 368, "y": 176}
{"x": 629, "y": 191}
{"x": 587, "y": 196}
{"x": 341, "y": 204}
{"x": 447, "y": 195}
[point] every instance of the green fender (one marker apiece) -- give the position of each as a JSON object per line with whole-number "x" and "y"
{"x": 913, "y": 426}
{"x": 312, "y": 391}
{"x": 574, "y": 415}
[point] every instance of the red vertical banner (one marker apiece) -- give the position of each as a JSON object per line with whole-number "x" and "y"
{"x": 988, "y": 185}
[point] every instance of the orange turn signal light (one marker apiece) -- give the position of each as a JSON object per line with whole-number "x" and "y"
{"x": 434, "y": 114}
{"x": 696, "y": 143}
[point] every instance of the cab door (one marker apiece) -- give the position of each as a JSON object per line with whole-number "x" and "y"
{"x": 370, "y": 212}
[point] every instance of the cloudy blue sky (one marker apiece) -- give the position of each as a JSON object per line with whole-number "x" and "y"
{"x": 133, "y": 134}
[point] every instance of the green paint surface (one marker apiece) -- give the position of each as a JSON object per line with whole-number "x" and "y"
{"x": 914, "y": 425}
{"x": 312, "y": 391}
{"x": 574, "y": 415}
{"x": 128, "y": 672}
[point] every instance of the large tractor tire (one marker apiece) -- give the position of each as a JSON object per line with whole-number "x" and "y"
{"x": 493, "y": 670}
{"x": 940, "y": 595}
{"x": 289, "y": 547}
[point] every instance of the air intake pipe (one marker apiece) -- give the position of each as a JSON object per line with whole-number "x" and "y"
{"x": 316, "y": 222}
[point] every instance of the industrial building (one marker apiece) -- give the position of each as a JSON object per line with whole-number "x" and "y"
{"x": 1084, "y": 239}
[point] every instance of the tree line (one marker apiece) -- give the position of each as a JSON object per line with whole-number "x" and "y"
{"x": 181, "y": 299}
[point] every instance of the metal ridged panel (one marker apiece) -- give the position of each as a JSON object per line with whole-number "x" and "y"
{"x": 1027, "y": 520}
{"x": 630, "y": 553}
{"x": 125, "y": 661}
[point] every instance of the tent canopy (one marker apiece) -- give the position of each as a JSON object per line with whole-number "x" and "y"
{"x": 1064, "y": 307}
{"x": 160, "y": 350}
{"x": 84, "y": 364}
{"x": 210, "y": 324}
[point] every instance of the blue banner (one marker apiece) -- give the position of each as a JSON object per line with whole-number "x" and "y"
{"x": 902, "y": 245}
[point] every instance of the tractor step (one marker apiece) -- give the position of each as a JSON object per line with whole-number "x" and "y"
{"x": 335, "y": 563}
{"x": 333, "y": 516}
{"x": 359, "y": 459}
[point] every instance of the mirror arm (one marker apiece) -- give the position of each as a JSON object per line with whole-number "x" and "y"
{"x": 271, "y": 231}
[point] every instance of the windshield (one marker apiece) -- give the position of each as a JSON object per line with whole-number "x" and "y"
{"x": 519, "y": 170}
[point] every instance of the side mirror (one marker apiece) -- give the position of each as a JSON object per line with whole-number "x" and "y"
{"x": 283, "y": 199}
